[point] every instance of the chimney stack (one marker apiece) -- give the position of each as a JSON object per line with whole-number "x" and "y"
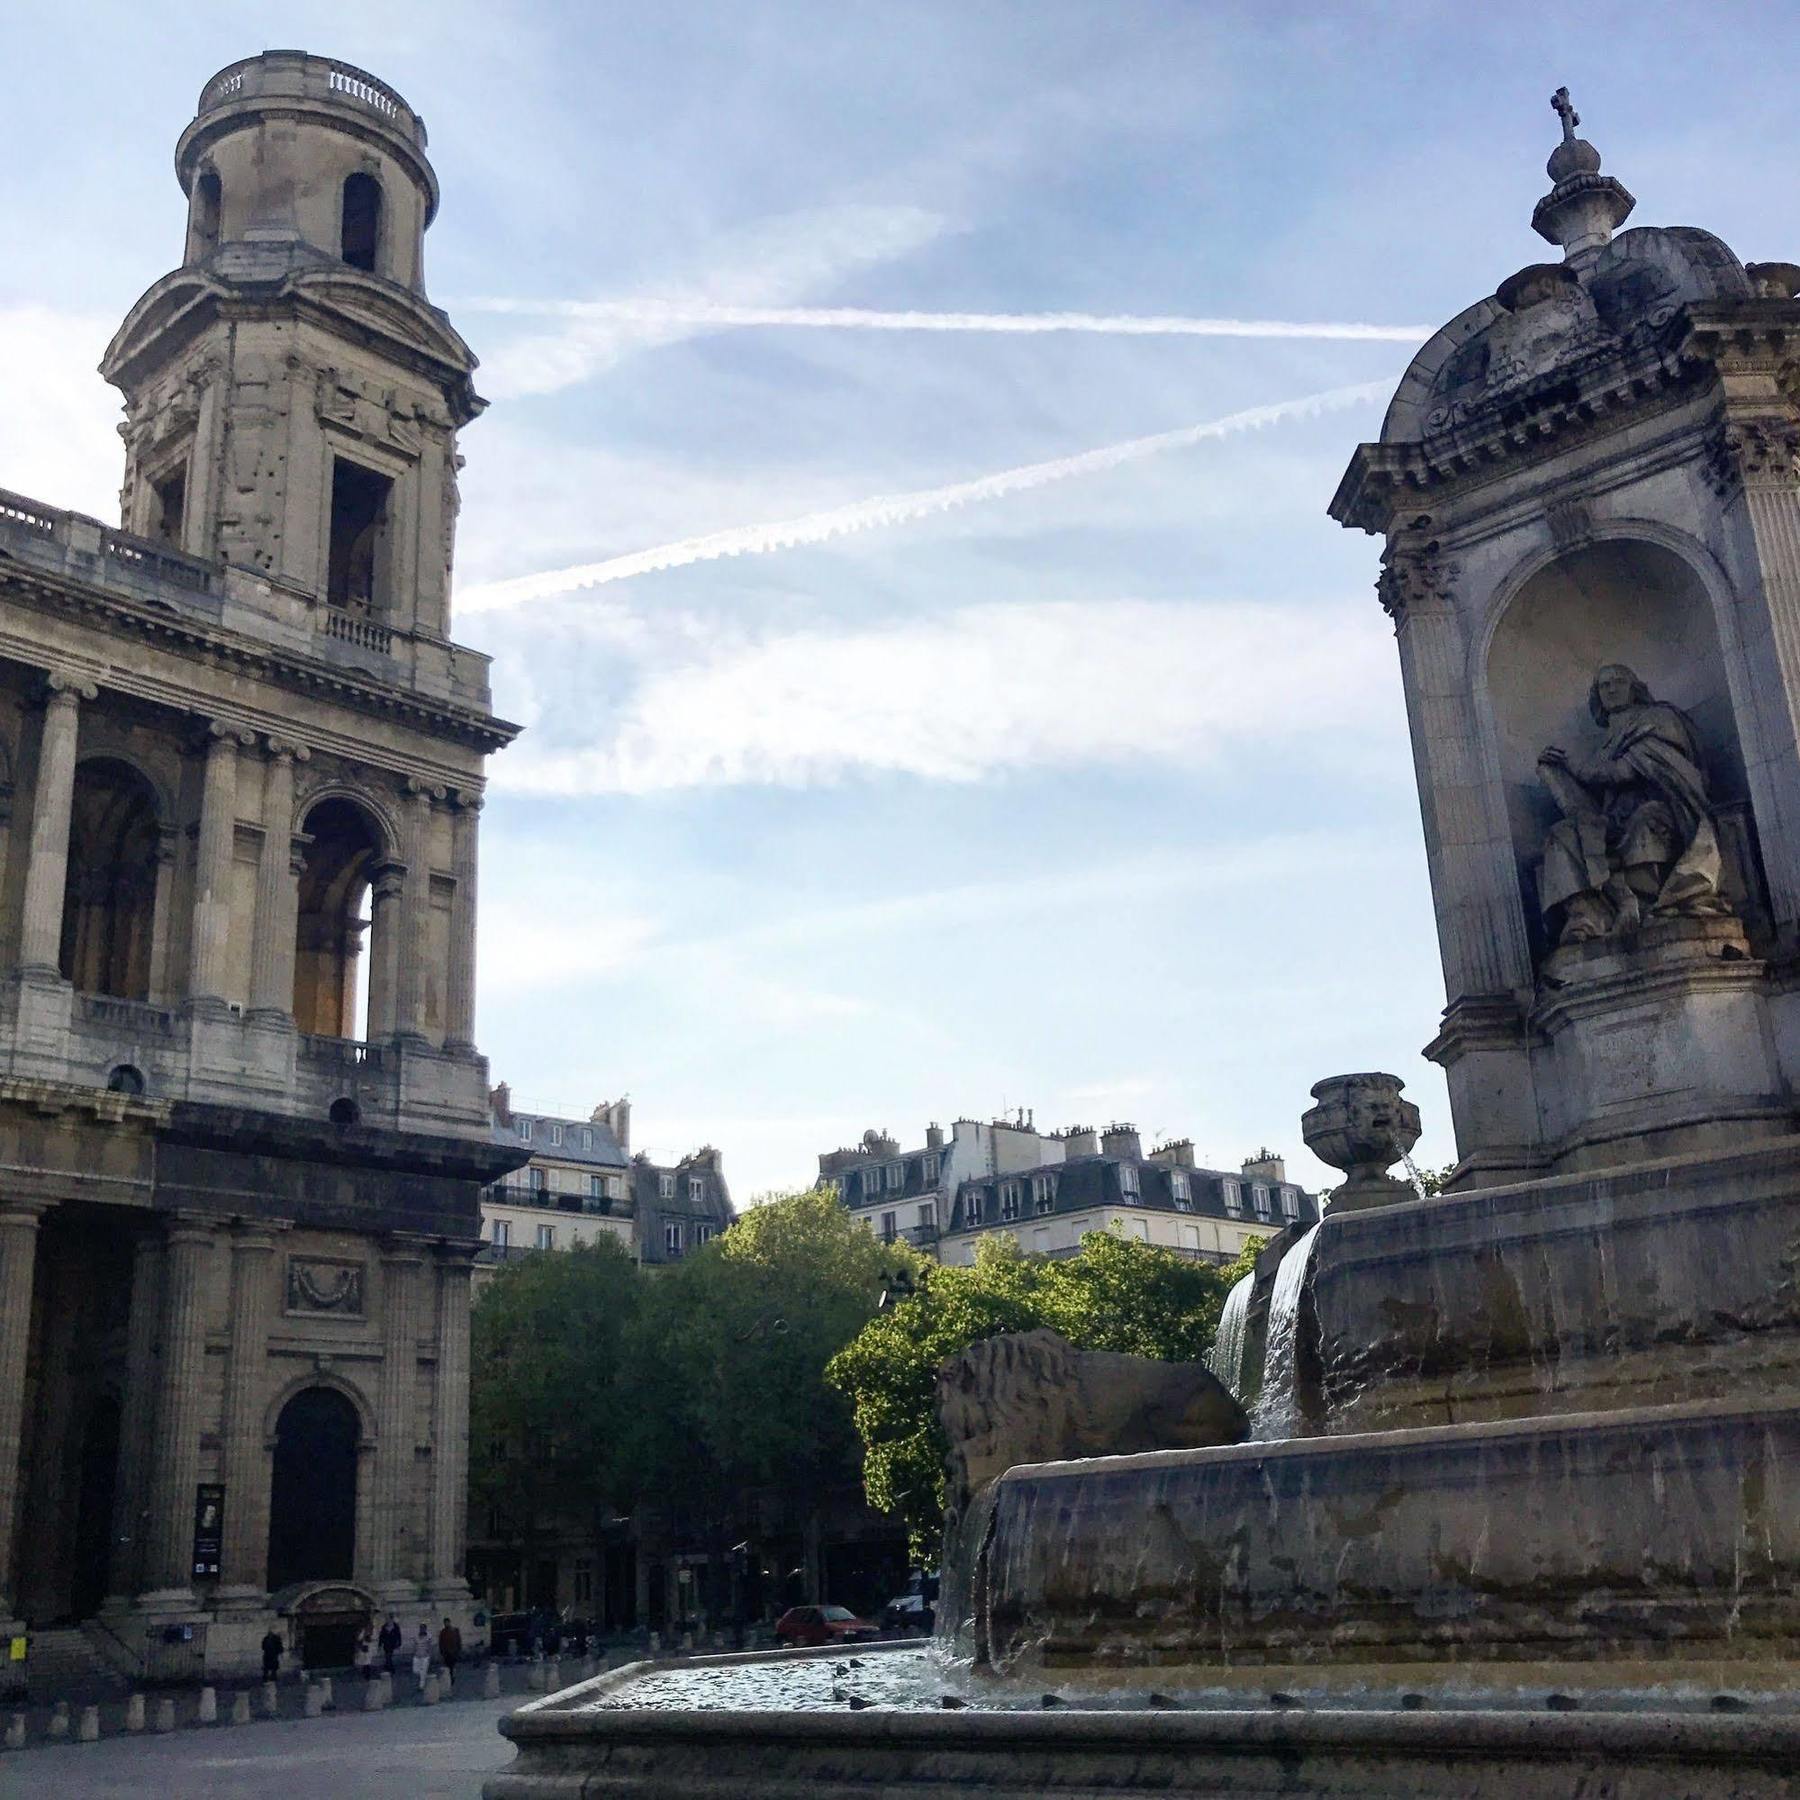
{"x": 1122, "y": 1140}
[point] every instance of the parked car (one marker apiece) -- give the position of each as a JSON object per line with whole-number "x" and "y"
{"x": 816, "y": 1625}
{"x": 909, "y": 1613}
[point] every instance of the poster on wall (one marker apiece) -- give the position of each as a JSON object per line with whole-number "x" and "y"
{"x": 209, "y": 1529}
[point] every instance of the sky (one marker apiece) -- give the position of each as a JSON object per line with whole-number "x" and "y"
{"x": 928, "y": 714}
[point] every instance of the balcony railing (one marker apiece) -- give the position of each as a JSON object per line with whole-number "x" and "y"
{"x": 342, "y": 1053}
{"x": 350, "y": 628}
{"x": 32, "y": 523}
{"x": 284, "y": 74}
{"x": 126, "y": 1018}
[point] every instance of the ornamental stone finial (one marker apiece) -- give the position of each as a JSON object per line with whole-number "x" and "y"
{"x": 1584, "y": 208}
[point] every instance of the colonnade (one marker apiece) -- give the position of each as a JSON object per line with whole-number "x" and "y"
{"x": 408, "y": 1540}
{"x": 401, "y": 882}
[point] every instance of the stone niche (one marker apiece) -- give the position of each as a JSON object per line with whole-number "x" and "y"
{"x": 1625, "y": 601}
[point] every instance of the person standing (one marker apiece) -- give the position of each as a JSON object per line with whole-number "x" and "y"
{"x": 421, "y": 1656}
{"x": 365, "y": 1654}
{"x": 449, "y": 1650}
{"x": 271, "y": 1654}
{"x": 390, "y": 1642}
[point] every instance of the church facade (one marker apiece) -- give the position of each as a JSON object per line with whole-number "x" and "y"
{"x": 243, "y": 1122}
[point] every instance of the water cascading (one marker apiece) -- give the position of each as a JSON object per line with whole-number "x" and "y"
{"x": 1277, "y": 1413}
{"x": 1229, "y": 1345}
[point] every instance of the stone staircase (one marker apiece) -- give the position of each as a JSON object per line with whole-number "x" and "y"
{"x": 64, "y": 1663}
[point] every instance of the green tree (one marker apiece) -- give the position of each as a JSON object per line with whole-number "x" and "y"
{"x": 550, "y": 1402}
{"x": 1116, "y": 1294}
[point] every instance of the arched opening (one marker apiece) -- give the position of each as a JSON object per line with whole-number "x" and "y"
{"x": 94, "y": 1507}
{"x": 109, "y": 903}
{"x": 204, "y": 214}
{"x": 330, "y": 995}
{"x": 1638, "y": 605}
{"x": 125, "y": 1078}
{"x": 312, "y": 1494}
{"x": 361, "y": 229}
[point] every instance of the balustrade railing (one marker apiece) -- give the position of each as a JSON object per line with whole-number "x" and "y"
{"x": 132, "y": 1018}
{"x": 34, "y": 523}
{"x": 342, "y": 1053}
{"x": 349, "y": 628}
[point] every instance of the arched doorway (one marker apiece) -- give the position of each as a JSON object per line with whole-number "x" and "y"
{"x": 109, "y": 903}
{"x": 94, "y": 1507}
{"x": 312, "y": 1496}
{"x": 341, "y": 858}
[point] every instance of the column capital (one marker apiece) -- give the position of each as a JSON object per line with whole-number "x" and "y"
{"x": 416, "y": 788}
{"x": 387, "y": 879}
{"x": 404, "y": 1247}
{"x": 215, "y": 736}
{"x": 63, "y": 687}
{"x": 457, "y": 1256}
{"x": 1754, "y": 450}
{"x": 470, "y": 803}
{"x": 287, "y": 750}
{"x": 189, "y": 1228}
{"x": 18, "y": 1212}
{"x": 257, "y": 1235}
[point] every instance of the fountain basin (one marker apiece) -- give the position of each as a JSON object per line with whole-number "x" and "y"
{"x": 568, "y": 1747}
{"x": 1639, "y": 1535}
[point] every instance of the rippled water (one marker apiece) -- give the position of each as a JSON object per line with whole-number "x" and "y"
{"x": 912, "y": 1679}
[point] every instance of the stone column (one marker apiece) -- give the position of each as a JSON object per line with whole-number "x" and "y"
{"x": 459, "y": 1022}
{"x": 387, "y": 891}
{"x": 175, "y": 1450}
{"x": 414, "y": 949}
{"x": 450, "y": 1425}
{"x": 396, "y": 1422}
{"x": 131, "y": 1507}
{"x": 161, "y": 937}
{"x": 243, "y": 1579}
{"x": 18, "y": 1270}
{"x": 277, "y": 886}
{"x": 47, "y": 869}
{"x": 212, "y": 863}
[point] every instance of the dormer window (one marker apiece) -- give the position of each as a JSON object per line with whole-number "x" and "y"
{"x": 361, "y": 225}
{"x": 1128, "y": 1179}
{"x": 665, "y": 1186}
{"x": 1234, "y": 1196}
{"x": 1009, "y": 1200}
{"x": 556, "y": 1134}
{"x": 696, "y": 1188}
{"x": 972, "y": 1207}
{"x": 1043, "y": 1193}
{"x": 524, "y": 1131}
{"x": 1259, "y": 1198}
{"x": 1179, "y": 1191}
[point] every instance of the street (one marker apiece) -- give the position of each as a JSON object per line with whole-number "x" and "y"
{"x": 406, "y": 1753}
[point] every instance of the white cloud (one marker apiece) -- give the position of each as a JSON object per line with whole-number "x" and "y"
{"x": 772, "y": 262}
{"x": 898, "y": 509}
{"x": 970, "y": 694}
{"x": 57, "y": 441}
{"x": 649, "y": 315}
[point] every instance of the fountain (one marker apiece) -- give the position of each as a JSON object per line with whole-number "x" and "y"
{"x": 1521, "y": 1514}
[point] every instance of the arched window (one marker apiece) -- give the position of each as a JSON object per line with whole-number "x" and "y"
{"x": 109, "y": 903}
{"x": 361, "y": 229}
{"x": 312, "y": 1493}
{"x": 204, "y": 213}
{"x": 341, "y": 859}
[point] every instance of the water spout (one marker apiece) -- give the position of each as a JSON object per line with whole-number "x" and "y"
{"x": 1229, "y": 1346}
{"x": 1277, "y": 1413}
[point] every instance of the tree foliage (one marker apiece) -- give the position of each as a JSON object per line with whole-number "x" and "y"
{"x": 1116, "y": 1294}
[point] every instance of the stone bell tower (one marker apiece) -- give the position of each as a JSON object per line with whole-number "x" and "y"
{"x": 1590, "y": 497}
{"x": 292, "y": 397}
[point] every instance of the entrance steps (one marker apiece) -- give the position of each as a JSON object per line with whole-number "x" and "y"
{"x": 65, "y": 1661}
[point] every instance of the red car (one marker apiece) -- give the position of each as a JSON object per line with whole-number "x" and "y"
{"x": 818, "y": 1625}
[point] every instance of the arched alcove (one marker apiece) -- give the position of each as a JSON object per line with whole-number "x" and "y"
{"x": 360, "y": 229}
{"x": 345, "y": 847}
{"x": 204, "y": 212}
{"x": 109, "y": 902}
{"x": 1628, "y": 601}
{"x": 312, "y": 1492}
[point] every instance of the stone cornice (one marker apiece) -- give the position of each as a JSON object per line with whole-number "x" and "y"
{"x": 289, "y": 670}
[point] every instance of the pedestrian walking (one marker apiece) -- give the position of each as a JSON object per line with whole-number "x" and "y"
{"x": 449, "y": 1648}
{"x": 390, "y": 1641}
{"x": 421, "y": 1656}
{"x": 271, "y": 1654}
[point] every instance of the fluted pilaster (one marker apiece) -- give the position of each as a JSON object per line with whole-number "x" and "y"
{"x": 47, "y": 869}
{"x": 211, "y": 941}
{"x": 459, "y": 1022}
{"x": 175, "y": 1457}
{"x": 244, "y": 1564}
{"x": 396, "y": 1421}
{"x": 277, "y": 886}
{"x": 18, "y": 1270}
{"x": 450, "y": 1424}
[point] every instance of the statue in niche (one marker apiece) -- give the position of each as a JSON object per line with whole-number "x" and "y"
{"x": 1637, "y": 839}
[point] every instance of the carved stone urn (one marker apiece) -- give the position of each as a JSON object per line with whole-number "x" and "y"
{"x": 1362, "y": 1126}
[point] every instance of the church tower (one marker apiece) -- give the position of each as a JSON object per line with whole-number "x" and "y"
{"x": 241, "y": 779}
{"x": 292, "y": 398}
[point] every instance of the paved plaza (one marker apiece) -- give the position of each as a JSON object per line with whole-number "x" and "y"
{"x": 407, "y": 1753}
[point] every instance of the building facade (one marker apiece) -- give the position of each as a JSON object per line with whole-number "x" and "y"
{"x": 576, "y": 1188}
{"x": 1046, "y": 1189}
{"x": 244, "y": 1125}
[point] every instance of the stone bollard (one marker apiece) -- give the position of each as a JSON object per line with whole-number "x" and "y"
{"x": 315, "y": 1700}
{"x": 271, "y": 1700}
{"x": 534, "y": 1676}
{"x": 87, "y": 1731}
{"x": 371, "y": 1696}
{"x": 588, "y": 1668}
{"x": 165, "y": 1714}
{"x": 687, "y": 1642}
{"x": 325, "y": 1695}
{"x": 656, "y": 1643}
{"x": 209, "y": 1706}
{"x": 240, "y": 1707}
{"x": 553, "y": 1676}
{"x": 490, "y": 1682}
{"x": 59, "y": 1721}
{"x": 134, "y": 1713}
{"x": 15, "y": 1732}
{"x": 428, "y": 1692}
{"x": 385, "y": 1681}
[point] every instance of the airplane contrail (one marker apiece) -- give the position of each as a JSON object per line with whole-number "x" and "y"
{"x": 896, "y": 509}
{"x": 861, "y": 318}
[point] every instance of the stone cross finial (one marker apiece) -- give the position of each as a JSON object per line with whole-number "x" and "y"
{"x": 1564, "y": 108}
